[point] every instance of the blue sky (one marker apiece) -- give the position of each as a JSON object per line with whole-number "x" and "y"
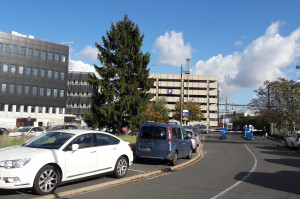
{"x": 243, "y": 42}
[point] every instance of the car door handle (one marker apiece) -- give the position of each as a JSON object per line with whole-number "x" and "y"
{"x": 93, "y": 152}
{"x": 114, "y": 148}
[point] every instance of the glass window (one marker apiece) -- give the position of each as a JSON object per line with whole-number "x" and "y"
{"x": 43, "y": 73}
{"x": 11, "y": 88}
{"x": 25, "y": 109}
{"x": 10, "y": 108}
{"x": 55, "y": 75}
{"x": 27, "y": 90}
{"x": 49, "y": 73}
{"x": 47, "y": 110}
{"x": 55, "y": 92}
{"x": 50, "y": 56}
{"x": 1, "y": 107}
{"x": 1, "y": 47}
{"x": 63, "y": 58}
{"x": 21, "y": 70}
{"x": 6, "y": 47}
{"x": 36, "y": 53}
{"x": 85, "y": 141}
{"x": 62, "y": 76}
{"x": 62, "y": 93}
{"x": 103, "y": 140}
{"x": 48, "y": 92}
{"x": 44, "y": 54}
{"x": 153, "y": 132}
{"x": 42, "y": 91}
{"x": 32, "y": 109}
{"x": 22, "y": 51}
{"x": 34, "y": 90}
{"x": 36, "y": 72}
{"x": 5, "y": 68}
{"x": 60, "y": 110}
{"x": 40, "y": 109}
{"x": 14, "y": 49}
{"x": 18, "y": 107}
{"x": 56, "y": 57}
{"x": 28, "y": 71}
{"x": 20, "y": 89}
{"x": 13, "y": 69}
{"x": 29, "y": 52}
{"x": 3, "y": 88}
{"x": 54, "y": 110}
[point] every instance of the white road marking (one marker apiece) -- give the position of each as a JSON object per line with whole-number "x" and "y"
{"x": 137, "y": 171}
{"x": 244, "y": 178}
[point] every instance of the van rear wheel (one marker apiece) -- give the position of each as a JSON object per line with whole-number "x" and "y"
{"x": 173, "y": 162}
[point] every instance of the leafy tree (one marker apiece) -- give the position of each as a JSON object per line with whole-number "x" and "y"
{"x": 123, "y": 84}
{"x": 195, "y": 113}
{"x": 157, "y": 111}
{"x": 279, "y": 102}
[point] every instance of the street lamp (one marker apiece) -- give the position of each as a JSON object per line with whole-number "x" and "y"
{"x": 188, "y": 72}
{"x": 182, "y": 92}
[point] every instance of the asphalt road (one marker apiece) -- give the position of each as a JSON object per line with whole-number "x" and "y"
{"x": 232, "y": 168}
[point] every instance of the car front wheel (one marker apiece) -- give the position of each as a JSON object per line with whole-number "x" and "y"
{"x": 121, "y": 167}
{"x": 46, "y": 180}
{"x": 174, "y": 159}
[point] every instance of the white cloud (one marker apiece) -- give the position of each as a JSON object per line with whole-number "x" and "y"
{"x": 262, "y": 60}
{"x": 80, "y": 66}
{"x": 239, "y": 43}
{"x": 172, "y": 49}
{"x": 88, "y": 53}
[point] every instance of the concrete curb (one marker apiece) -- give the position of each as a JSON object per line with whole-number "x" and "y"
{"x": 100, "y": 186}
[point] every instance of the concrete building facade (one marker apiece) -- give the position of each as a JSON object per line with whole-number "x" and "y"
{"x": 33, "y": 79}
{"x": 202, "y": 89}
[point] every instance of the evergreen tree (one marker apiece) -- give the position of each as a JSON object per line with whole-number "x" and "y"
{"x": 122, "y": 89}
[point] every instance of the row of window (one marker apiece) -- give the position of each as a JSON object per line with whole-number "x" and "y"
{"x": 37, "y": 72}
{"x": 19, "y": 89}
{"x": 32, "y": 52}
{"x": 31, "y": 109}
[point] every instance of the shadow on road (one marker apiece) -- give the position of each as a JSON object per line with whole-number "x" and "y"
{"x": 286, "y": 162}
{"x": 289, "y": 180}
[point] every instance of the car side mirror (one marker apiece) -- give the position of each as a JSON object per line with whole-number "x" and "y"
{"x": 75, "y": 147}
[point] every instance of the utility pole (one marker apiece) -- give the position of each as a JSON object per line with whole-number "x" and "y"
{"x": 181, "y": 96}
{"x": 188, "y": 60}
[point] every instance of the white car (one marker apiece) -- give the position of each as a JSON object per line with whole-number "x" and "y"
{"x": 293, "y": 141}
{"x": 29, "y": 131}
{"x": 45, "y": 161}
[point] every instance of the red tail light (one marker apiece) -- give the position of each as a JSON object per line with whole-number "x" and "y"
{"x": 130, "y": 146}
{"x": 170, "y": 139}
{"x": 298, "y": 136}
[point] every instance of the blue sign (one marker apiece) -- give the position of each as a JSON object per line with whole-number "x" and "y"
{"x": 170, "y": 91}
{"x": 185, "y": 115}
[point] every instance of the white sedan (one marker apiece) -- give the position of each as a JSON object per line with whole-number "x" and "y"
{"x": 45, "y": 161}
{"x": 29, "y": 131}
{"x": 293, "y": 141}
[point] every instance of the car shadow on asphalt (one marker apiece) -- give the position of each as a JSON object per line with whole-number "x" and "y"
{"x": 8, "y": 192}
{"x": 287, "y": 181}
{"x": 286, "y": 162}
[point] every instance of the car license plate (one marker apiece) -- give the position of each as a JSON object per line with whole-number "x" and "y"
{"x": 145, "y": 148}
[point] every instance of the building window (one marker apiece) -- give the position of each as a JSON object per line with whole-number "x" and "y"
{"x": 21, "y": 70}
{"x": 49, "y": 73}
{"x": 55, "y": 75}
{"x": 28, "y": 71}
{"x": 14, "y": 49}
{"x": 47, "y": 110}
{"x": 63, "y": 58}
{"x": 29, "y": 52}
{"x": 54, "y": 110}
{"x": 44, "y": 54}
{"x": 60, "y": 110}
{"x": 55, "y": 92}
{"x": 42, "y": 91}
{"x": 62, "y": 93}
{"x": 3, "y": 88}
{"x": 13, "y": 69}
{"x": 27, "y": 90}
{"x": 1, "y": 107}
{"x": 34, "y": 90}
{"x": 62, "y": 76}
{"x": 56, "y": 57}
{"x": 18, "y": 107}
{"x": 43, "y": 73}
{"x": 48, "y": 92}
{"x": 6, "y": 47}
{"x": 11, "y": 88}
{"x": 36, "y": 53}
{"x": 40, "y": 109}
{"x": 36, "y": 72}
{"x": 1, "y": 47}
{"x": 5, "y": 68}
{"x": 25, "y": 109}
{"x": 20, "y": 89}
{"x": 10, "y": 108}
{"x": 50, "y": 56}
{"x": 32, "y": 109}
{"x": 22, "y": 51}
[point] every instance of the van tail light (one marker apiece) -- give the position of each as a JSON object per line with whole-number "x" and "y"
{"x": 193, "y": 138}
{"x": 298, "y": 136}
{"x": 130, "y": 146}
{"x": 170, "y": 140}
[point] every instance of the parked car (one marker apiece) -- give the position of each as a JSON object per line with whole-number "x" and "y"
{"x": 3, "y": 131}
{"x": 192, "y": 138}
{"x": 44, "y": 162}
{"x": 28, "y": 130}
{"x": 163, "y": 141}
{"x": 59, "y": 127}
{"x": 293, "y": 140}
{"x": 196, "y": 132}
{"x": 203, "y": 129}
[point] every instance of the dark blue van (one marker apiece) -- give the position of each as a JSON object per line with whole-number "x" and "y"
{"x": 163, "y": 141}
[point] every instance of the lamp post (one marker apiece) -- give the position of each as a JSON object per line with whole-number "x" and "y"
{"x": 188, "y": 60}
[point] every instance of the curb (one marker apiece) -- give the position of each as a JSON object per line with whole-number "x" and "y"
{"x": 104, "y": 185}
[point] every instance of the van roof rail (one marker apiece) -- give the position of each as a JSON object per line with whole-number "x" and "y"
{"x": 172, "y": 123}
{"x": 148, "y": 121}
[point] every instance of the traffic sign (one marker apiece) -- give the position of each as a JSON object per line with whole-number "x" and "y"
{"x": 185, "y": 115}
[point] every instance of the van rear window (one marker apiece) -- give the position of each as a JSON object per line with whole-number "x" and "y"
{"x": 153, "y": 132}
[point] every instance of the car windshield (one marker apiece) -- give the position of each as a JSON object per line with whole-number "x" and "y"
{"x": 23, "y": 129}
{"x": 52, "y": 140}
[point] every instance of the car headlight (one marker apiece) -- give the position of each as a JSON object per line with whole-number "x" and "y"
{"x": 11, "y": 164}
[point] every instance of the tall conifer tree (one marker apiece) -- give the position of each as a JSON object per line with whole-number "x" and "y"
{"x": 122, "y": 89}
